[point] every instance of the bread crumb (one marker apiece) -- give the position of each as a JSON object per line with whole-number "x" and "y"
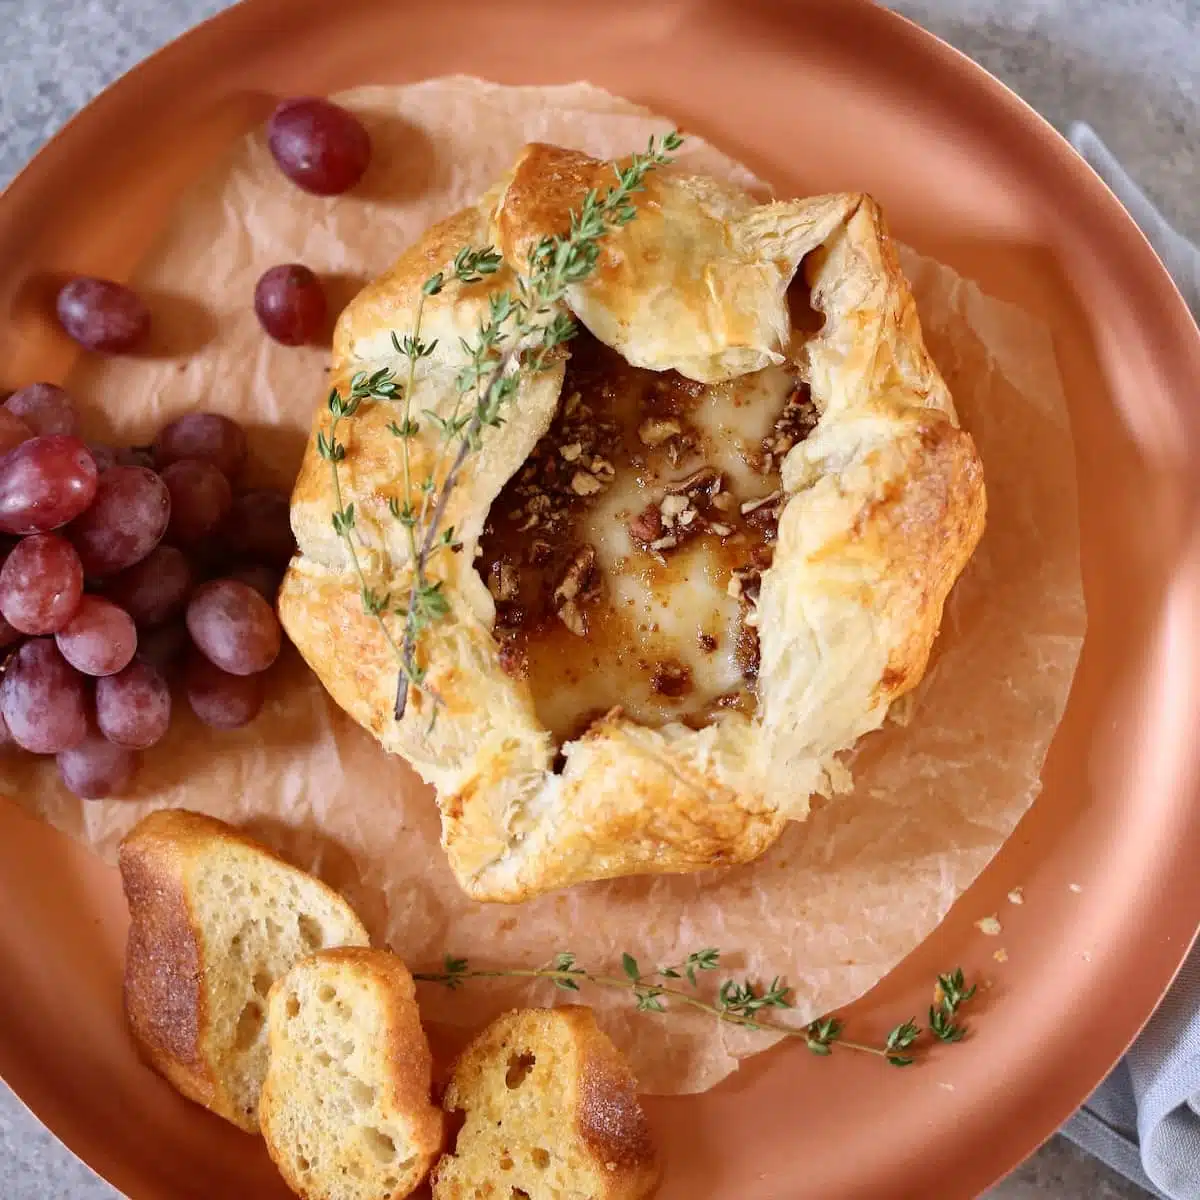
{"x": 989, "y": 926}
{"x": 946, "y": 1087}
{"x": 1074, "y": 887}
{"x": 1087, "y": 956}
{"x": 1001, "y": 955}
{"x": 1016, "y": 896}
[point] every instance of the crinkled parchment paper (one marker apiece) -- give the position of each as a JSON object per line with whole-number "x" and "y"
{"x": 841, "y": 898}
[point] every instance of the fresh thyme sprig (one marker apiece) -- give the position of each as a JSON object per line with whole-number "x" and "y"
{"x": 737, "y": 1002}
{"x": 525, "y": 325}
{"x": 381, "y": 386}
{"x": 950, "y": 995}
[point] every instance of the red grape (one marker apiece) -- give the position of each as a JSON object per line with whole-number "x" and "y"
{"x": 209, "y": 437}
{"x": 264, "y": 580}
{"x": 125, "y": 522}
{"x": 99, "y": 639}
{"x": 259, "y": 527}
{"x": 234, "y": 627}
{"x": 96, "y": 768}
{"x": 102, "y": 315}
{"x": 133, "y": 707}
{"x": 162, "y": 647}
{"x": 200, "y": 498}
{"x": 209, "y": 557}
{"x": 290, "y": 304}
{"x": 135, "y": 456}
{"x": 318, "y": 146}
{"x": 8, "y": 635}
{"x": 43, "y": 699}
{"x": 13, "y": 431}
{"x": 45, "y": 408}
{"x": 6, "y": 740}
{"x": 44, "y": 483}
{"x": 219, "y": 699}
{"x": 104, "y": 456}
{"x": 155, "y": 589}
{"x": 40, "y": 584}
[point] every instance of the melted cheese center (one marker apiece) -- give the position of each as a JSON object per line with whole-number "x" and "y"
{"x": 611, "y": 565}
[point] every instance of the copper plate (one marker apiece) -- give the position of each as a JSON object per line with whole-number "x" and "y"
{"x": 824, "y": 95}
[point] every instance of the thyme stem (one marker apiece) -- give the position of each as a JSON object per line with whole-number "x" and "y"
{"x": 406, "y": 441}
{"x": 676, "y": 994}
{"x": 362, "y": 579}
{"x": 532, "y": 319}
{"x": 737, "y": 1003}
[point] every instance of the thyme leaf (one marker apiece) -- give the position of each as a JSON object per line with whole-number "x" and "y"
{"x": 524, "y": 326}
{"x": 739, "y": 1002}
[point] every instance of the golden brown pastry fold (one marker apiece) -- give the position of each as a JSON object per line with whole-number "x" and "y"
{"x": 884, "y": 503}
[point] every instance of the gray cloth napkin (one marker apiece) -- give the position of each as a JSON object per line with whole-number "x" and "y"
{"x": 1144, "y": 1119}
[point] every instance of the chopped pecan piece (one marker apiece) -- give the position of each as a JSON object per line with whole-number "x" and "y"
{"x": 798, "y": 419}
{"x": 700, "y": 486}
{"x": 673, "y": 506}
{"x": 577, "y": 576}
{"x": 574, "y": 618}
{"x": 754, "y": 505}
{"x": 647, "y": 525}
{"x": 504, "y": 582}
{"x": 744, "y": 584}
{"x": 679, "y": 448}
{"x": 653, "y": 431}
{"x": 671, "y": 679}
{"x": 583, "y": 484}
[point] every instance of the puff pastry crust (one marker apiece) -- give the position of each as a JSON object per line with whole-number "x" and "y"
{"x": 883, "y": 504}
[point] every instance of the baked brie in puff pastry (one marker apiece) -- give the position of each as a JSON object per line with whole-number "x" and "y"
{"x": 704, "y": 553}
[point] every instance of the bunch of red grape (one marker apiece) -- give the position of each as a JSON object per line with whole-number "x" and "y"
{"x": 122, "y": 570}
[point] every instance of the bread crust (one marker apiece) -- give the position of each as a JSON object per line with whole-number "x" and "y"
{"x": 884, "y": 504}
{"x": 403, "y": 1045}
{"x": 165, "y": 999}
{"x": 603, "y": 1113}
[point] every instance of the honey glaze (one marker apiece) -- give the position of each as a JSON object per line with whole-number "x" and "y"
{"x": 624, "y": 555}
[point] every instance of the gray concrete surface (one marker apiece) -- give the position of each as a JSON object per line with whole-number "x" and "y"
{"x": 1130, "y": 67}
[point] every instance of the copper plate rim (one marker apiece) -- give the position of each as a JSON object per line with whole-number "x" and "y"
{"x": 1171, "y": 700}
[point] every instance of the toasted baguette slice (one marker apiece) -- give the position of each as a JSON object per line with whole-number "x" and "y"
{"x": 346, "y": 1110}
{"x": 215, "y": 919}
{"x": 551, "y": 1114}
